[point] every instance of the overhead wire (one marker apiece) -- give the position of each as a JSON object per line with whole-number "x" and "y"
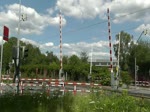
{"x": 91, "y": 25}
{"x": 127, "y": 29}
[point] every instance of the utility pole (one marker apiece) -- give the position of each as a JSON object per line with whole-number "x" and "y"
{"x": 91, "y": 60}
{"x": 17, "y": 59}
{"x": 89, "y": 76}
{"x": 135, "y": 72}
{"x": 118, "y": 66}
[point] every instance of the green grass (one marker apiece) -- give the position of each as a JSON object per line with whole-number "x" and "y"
{"x": 93, "y": 102}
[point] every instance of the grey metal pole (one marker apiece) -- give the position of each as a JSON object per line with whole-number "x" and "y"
{"x": 18, "y": 53}
{"x": 135, "y": 72}
{"x": 91, "y": 60}
{"x": 18, "y": 41}
{"x": 1, "y": 61}
{"x": 118, "y": 66}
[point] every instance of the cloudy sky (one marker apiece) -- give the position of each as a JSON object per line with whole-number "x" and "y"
{"x": 84, "y": 23}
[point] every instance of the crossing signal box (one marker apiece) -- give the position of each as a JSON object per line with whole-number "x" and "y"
{"x": 25, "y": 52}
{"x": 14, "y": 52}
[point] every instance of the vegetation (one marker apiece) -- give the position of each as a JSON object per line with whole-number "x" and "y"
{"x": 125, "y": 39}
{"x": 77, "y": 68}
{"x": 39, "y": 65}
{"x": 130, "y": 50}
{"x": 94, "y": 102}
{"x": 142, "y": 54}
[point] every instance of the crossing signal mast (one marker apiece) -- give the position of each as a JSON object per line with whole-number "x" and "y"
{"x": 16, "y": 50}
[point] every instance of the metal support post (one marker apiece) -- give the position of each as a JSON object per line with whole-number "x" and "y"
{"x": 17, "y": 59}
{"x": 135, "y": 73}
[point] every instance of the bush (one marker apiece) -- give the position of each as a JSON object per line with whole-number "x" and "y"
{"x": 126, "y": 78}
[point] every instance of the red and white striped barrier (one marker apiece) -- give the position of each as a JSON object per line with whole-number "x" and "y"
{"x": 55, "y": 81}
{"x": 34, "y": 79}
{"x": 33, "y": 82}
{"x": 82, "y": 84}
{"x": 141, "y": 83}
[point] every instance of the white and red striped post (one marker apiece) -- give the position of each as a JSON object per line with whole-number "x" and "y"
{"x": 60, "y": 29}
{"x": 110, "y": 46}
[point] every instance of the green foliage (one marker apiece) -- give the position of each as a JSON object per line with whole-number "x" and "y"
{"x": 101, "y": 75}
{"x": 125, "y": 39}
{"x": 142, "y": 54}
{"x": 76, "y": 69}
{"x": 129, "y": 51}
{"x": 36, "y": 63}
{"x": 93, "y": 102}
{"x": 35, "y": 59}
{"x": 84, "y": 57}
{"x": 126, "y": 78}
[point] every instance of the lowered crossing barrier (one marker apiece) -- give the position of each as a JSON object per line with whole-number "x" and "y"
{"x": 50, "y": 85}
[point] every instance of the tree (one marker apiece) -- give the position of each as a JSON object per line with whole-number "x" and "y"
{"x": 101, "y": 75}
{"x": 76, "y": 69}
{"x": 84, "y": 57}
{"x": 65, "y": 59}
{"x": 125, "y": 39}
{"x": 51, "y": 57}
{"x": 7, "y": 52}
{"x": 142, "y": 53}
{"x": 73, "y": 67}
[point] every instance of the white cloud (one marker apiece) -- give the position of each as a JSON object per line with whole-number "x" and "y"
{"x": 49, "y": 44}
{"x": 100, "y": 49}
{"x": 80, "y": 8}
{"x": 35, "y": 22}
{"x": 142, "y": 27}
{"x": 43, "y": 47}
{"x": 28, "y": 41}
{"x": 55, "y": 21}
{"x": 145, "y": 28}
{"x": 135, "y": 10}
{"x": 66, "y": 45}
{"x": 50, "y": 11}
{"x": 85, "y": 9}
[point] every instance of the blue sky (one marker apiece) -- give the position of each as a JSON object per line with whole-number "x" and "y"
{"x": 84, "y": 23}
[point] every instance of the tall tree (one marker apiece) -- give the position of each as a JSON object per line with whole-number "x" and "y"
{"x": 125, "y": 40}
{"x": 84, "y": 56}
{"x": 142, "y": 53}
{"x": 51, "y": 57}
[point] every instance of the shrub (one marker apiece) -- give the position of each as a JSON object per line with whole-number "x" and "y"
{"x": 126, "y": 78}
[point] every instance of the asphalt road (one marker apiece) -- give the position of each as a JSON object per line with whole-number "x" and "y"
{"x": 136, "y": 91}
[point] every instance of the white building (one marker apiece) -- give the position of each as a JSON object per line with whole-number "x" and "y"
{"x": 102, "y": 62}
